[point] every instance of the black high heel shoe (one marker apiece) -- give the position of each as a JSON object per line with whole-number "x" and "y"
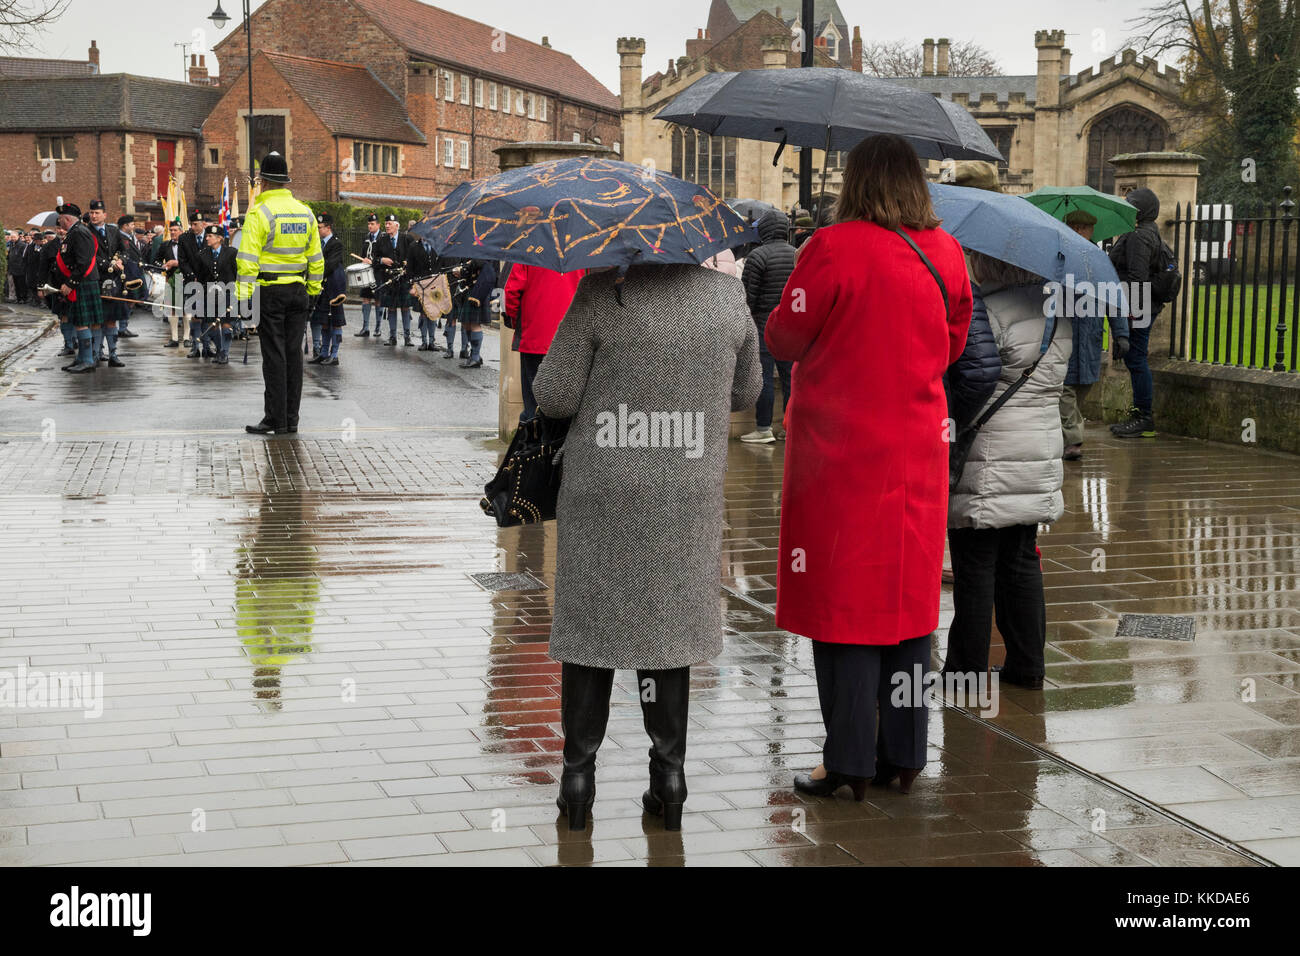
{"x": 584, "y": 712}
{"x": 827, "y": 785}
{"x": 665, "y": 718}
{"x": 577, "y": 794}
{"x": 886, "y": 773}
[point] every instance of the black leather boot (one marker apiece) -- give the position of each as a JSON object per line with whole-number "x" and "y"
{"x": 584, "y": 712}
{"x": 665, "y": 705}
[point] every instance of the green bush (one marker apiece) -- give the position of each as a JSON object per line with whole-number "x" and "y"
{"x": 350, "y": 221}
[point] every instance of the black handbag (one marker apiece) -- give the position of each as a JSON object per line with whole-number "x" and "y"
{"x": 527, "y": 485}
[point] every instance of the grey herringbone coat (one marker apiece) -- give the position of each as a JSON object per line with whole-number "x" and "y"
{"x": 639, "y": 518}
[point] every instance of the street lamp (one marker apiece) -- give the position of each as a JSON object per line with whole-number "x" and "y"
{"x": 219, "y": 19}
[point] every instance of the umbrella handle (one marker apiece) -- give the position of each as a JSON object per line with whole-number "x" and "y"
{"x": 785, "y": 138}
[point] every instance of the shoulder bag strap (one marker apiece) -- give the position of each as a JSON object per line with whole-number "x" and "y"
{"x": 943, "y": 289}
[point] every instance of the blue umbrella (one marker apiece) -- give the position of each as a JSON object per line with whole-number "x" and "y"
{"x": 583, "y": 213}
{"x": 1016, "y": 231}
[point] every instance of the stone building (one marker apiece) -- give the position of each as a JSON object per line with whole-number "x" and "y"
{"x": 1053, "y": 127}
{"x": 90, "y": 135}
{"x": 393, "y": 101}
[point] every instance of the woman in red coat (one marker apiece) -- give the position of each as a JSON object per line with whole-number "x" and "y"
{"x": 865, "y": 495}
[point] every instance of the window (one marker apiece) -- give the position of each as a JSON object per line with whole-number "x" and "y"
{"x": 449, "y": 152}
{"x": 1122, "y": 130}
{"x": 464, "y": 89}
{"x": 214, "y": 156}
{"x": 269, "y": 135}
{"x": 492, "y": 96}
{"x": 55, "y": 147}
{"x": 478, "y": 93}
{"x": 519, "y": 102}
{"x": 706, "y": 160}
{"x": 505, "y": 99}
{"x": 464, "y": 154}
{"x": 1001, "y": 136}
{"x": 448, "y": 86}
{"x": 375, "y": 158}
{"x": 532, "y": 106}
{"x": 542, "y": 110}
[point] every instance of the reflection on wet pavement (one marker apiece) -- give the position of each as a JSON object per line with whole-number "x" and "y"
{"x": 292, "y": 645}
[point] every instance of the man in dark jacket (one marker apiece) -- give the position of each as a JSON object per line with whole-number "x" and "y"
{"x": 327, "y": 315}
{"x": 189, "y": 256}
{"x": 393, "y": 283}
{"x": 218, "y": 271}
{"x": 1136, "y": 256}
{"x": 766, "y": 270}
{"x": 17, "y": 254}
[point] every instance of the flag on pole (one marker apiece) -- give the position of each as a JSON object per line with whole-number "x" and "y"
{"x": 169, "y": 201}
{"x": 234, "y": 202}
{"x": 223, "y": 216}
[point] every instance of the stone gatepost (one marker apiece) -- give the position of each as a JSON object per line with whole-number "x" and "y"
{"x": 1172, "y": 177}
{"x": 510, "y": 396}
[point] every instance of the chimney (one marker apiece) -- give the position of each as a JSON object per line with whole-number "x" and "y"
{"x": 776, "y": 52}
{"x": 941, "y": 68}
{"x": 1065, "y": 61}
{"x": 696, "y": 46}
{"x": 199, "y": 70}
{"x": 857, "y": 50}
{"x": 1050, "y": 44}
{"x": 546, "y": 42}
{"x": 93, "y": 55}
{"x": 927, "y": 58}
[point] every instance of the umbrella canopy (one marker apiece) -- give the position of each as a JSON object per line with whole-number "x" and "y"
{"x": 583, "y": 213}
{"x": 1114, "y": 215}
{"x": 752, "y": 209}
{"x": 1018, "y": 232}
{"x": 827, "y": 108}
{"x": 46, "y": 220}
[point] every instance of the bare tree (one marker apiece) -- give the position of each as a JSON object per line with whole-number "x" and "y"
{"x": 1241, "y": 61}
{"x": 903, "y": 58}
{"x": 19, "y": 19}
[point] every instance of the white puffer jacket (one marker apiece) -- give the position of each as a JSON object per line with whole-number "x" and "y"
{"x": 1014, "y": 472}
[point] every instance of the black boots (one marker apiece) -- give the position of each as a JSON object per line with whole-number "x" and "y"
{"x": 584, "y": 712}
{"x": 665, "y": 703}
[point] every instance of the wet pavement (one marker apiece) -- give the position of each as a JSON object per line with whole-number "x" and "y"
{"x": 298, "y": 667}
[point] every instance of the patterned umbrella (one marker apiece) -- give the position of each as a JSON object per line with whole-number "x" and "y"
{"x": 583, "y": 213}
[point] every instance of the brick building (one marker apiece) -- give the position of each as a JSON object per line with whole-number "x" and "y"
{"x": 112, "y": 136}
{"x": 393, "y": 101}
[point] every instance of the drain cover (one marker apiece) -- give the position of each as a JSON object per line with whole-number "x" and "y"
{"x": 1161, "y": 627}
{"x": 507, "y": 581}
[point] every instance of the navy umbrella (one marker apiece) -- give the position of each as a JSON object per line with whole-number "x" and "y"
{"x": 1016, "y": 231}
{"x": 827, "y": 108}
{"x": 583, "y": 213}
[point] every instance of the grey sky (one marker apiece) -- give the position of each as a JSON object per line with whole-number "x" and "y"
{"x": 137, "y": 37}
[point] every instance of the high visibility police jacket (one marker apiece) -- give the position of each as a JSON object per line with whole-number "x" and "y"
{"x": 279, "y": 245}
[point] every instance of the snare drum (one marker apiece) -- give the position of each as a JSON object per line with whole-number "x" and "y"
{"x": 360, "y": 276}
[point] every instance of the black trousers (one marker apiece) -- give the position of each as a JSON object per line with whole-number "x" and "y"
{"x": 854, "y": 683}
{"x": 529, "y": 363}
{"x": 997, "y": 570}
{"x": 281, "y": 324}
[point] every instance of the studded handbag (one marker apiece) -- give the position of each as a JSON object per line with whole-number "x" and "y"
{"x": 527, "y": 485}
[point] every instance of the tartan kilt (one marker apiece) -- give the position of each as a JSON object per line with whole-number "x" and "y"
{"x": 88, "y": 310}
{"x": 462, "y": 311}
{"x": 394, "y": 297}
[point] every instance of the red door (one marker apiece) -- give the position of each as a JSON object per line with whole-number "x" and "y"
{"x": 166, "y": 164}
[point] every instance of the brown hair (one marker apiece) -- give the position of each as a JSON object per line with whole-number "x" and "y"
{"x": 986, "y": 269}
{"x": 883, "y": 183}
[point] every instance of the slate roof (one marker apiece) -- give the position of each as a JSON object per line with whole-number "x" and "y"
{"x": 348, "y": 98}
{"x": 824, "y": 11}
{"x": 16, "y": 66}
{"x": 110, "y": 101}
{"x": 445, "y": 37}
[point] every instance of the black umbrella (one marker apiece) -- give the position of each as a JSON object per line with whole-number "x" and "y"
{"x": 752, "y": 209}
{"x": 829, "y": 109}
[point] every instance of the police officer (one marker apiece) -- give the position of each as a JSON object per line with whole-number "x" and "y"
{"x": 368, "y": 292}
{"x": 327, "y": 319}
{"x": 392, "y": 250}
{"x": 280, "y": 255}
{"x": 78, "y": 278}
{"x": 108, "y": 259}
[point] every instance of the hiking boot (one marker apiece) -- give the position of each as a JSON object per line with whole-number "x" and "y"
{"x": 760, "y": 436}
{"x": 1132, "y": 413}
{"x": 1140, "y": 426}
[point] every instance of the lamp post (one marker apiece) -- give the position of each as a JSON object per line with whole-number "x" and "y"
{"x": 219, "y": 20}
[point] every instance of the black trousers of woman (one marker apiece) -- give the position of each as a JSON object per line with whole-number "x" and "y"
{"x": 997, "y": 570}
{"x": 854, "y": 682}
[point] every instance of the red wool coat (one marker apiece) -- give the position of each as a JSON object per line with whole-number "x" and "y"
{"x": 864, "y": 502}
{"x": 539, "y": 298}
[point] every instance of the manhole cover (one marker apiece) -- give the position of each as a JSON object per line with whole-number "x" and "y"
{"x": 507, "y": 581}
{"x": 1161, "y": 627}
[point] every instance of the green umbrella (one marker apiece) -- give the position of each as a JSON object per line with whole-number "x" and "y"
{"x": 1114, "y": 215}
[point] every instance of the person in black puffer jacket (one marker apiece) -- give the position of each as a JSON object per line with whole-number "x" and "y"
{"x": 1136, "y": 256}
{"x": 766, "y": 270}
{"x": 971, "y": 379}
